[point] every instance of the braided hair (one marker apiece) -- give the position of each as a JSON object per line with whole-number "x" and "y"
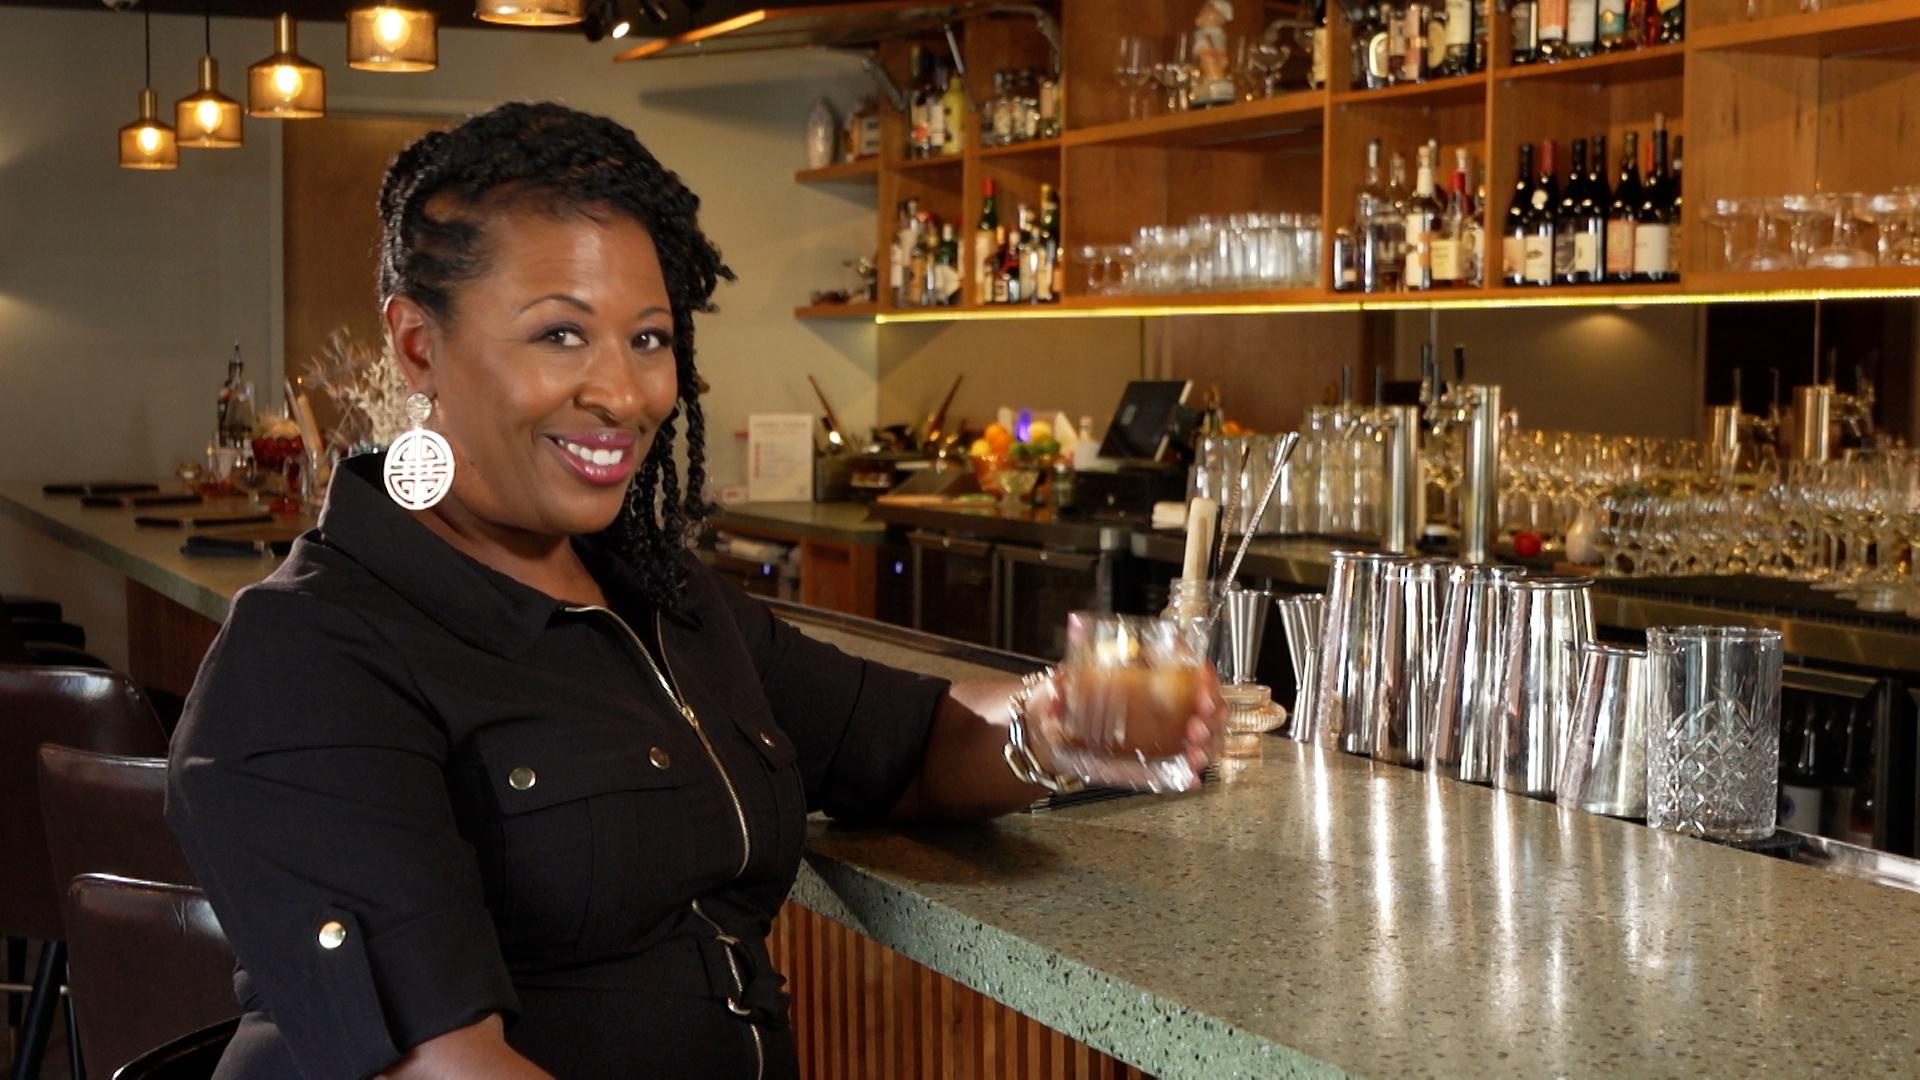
{"x": 560, "y": 161}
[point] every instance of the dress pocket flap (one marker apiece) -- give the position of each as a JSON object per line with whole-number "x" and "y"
{"x": 533, "y": 766}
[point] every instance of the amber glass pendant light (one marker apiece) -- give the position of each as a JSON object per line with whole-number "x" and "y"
{"x": 286, "y": 85}
{"x": 531, "y": 12}
{"x": 387, "y": 38}
{"x": 207, "y": 118}
{"x": 147, "y": 143}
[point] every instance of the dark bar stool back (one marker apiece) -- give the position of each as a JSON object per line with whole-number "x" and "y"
{"x": 149, "y": 965}
{"x": 106, "y": 814}
{"x": 87, "y": 709}
{"x": 190, "y": 1057}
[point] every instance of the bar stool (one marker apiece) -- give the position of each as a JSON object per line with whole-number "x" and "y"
{"x": 16, "y": 606}
{"x": 89, "y": 709}
{"x": 190, "y": 1057}
{"x": 149, "y": 964}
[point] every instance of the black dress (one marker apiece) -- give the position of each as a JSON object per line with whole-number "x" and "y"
{"x": 419, "y": 792}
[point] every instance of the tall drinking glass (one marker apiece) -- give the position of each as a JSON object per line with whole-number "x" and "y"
{"x": 1713, "y": 737}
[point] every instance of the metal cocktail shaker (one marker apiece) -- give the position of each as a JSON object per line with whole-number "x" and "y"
{"x": 1548, "y": 618}
{"x": 1402, "y": 719}
{"x": 1349, "y": 660}
{"x": 1467, "y": 702}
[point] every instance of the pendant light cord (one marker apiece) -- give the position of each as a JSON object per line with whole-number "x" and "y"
{"x": 146, "y": 14}
{"x": 208, "y": 9}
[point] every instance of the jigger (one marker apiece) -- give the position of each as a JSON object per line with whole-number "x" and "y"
{"x": 1466, "y": 674}
{"x": 1244, "y": 617}
{"x": 1548, "y": 616}
{"x": 1603, "y": 769}
{"x": 1303, "y": 617}
{"x": 1349, "y": 661}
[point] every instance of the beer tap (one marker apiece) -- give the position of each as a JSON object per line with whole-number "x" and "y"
{"x": 1397, "y": 427}
{"x": 1477, "y": 410}
{"x": 1733, "y": 429}
{"x": 1818, "y": 407}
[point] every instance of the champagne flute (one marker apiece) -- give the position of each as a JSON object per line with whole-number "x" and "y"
{"x": 1134, "y": 70}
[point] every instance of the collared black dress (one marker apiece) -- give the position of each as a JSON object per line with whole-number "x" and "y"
{"x": 419, "y": 792}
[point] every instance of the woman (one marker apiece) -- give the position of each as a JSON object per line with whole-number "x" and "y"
{"x": 512, "y": 785}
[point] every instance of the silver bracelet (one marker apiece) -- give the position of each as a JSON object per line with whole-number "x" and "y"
{"x": 1025, "y": 767}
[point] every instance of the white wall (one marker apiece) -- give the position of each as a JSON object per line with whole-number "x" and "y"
{"x": 121, "y": 292}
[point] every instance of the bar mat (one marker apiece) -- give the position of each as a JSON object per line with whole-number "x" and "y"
{"x": 1781, "y": 845}
{"x": 139, "y": 502}
{"x": 202, "y": 520}
{"x": 102, "y": 487}
{"x": 1103, "y": 794}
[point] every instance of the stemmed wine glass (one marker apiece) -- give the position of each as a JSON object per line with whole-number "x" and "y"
{"x": 1134, "y": 70}
{"x": 1799, "y": 212}
{"x": 1726, "y": 215}
{"x": 1889, "y": 213}
{"x": 1175, "y": 75}
{"x": 1844, "y": 249}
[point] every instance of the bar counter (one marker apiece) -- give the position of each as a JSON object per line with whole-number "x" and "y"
{"x": 1309, "y": 914}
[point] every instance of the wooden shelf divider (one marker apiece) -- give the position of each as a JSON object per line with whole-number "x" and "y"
{"x": 862, "y": 171}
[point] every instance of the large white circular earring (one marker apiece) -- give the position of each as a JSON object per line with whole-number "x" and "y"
{"x": 419, "y": 465}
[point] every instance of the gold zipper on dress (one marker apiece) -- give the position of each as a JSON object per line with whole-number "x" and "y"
{"x": 727, "y": 942}
{"x": 672, "y": 689}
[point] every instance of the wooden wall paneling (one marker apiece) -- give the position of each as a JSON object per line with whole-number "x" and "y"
{"x": 331, "y": 175}
{"x": 1755, "y": 121}
{"x": 165, "y": 640}
{"x": 1091, "y": 31}
{"x": 1869, "y": 133}
{"x": 1269, "y": 369}
{"x": 1127, "y": 183}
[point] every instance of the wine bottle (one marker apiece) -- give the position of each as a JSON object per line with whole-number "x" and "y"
{"x": 953, "y": 114}
{"x": 1453, "y": 238}
{"x": 1422, "y": 218}
{"x": 986, "y": 244}
{"x": 1046, "y": 287}
{"x": 1622, "y": 210}
{"x": 1537, "y": 245}
{"x": 1550, "y": 17}
{"x": 1616, "y": 32}
{"x": 1564, "y": 214}
{"x": 1513, "y": 241}
{"x": 1653, "y": 224}
{"x": 1526, "y": 31}
{"x": 1590, "y": 220}
{"x": 1676, "y": 243}
{"x": 1583, "y": 31}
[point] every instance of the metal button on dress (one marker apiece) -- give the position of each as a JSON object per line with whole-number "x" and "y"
{"x": 332, "y": 935}
{"x": 521, "y": 778}
{"x": 660, "y": 758}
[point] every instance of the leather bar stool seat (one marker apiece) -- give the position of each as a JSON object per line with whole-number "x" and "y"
{"x": 87, "y": 709}
{"x": 149, "y": 965}
{"x": 16, "y": 606}
{"x": 191, "y": 1057}
{"x": 50, "y": 632}
{"x": 106, "y": 814}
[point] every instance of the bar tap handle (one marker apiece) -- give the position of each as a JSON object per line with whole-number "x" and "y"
{"x": 1379, "y": 387}
{"x": 1459, "y": 365}
{"x": 1737, "y": 403}
{"x": 1346, "y": 385}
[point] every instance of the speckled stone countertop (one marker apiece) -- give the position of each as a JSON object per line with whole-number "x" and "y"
{"x": 844, "y": 522}
{"x": 1317, "y": 915}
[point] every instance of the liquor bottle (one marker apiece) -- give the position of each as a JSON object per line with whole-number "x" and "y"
{"x": 1583, "y": 28}
{"x": 1398, "y": 192}
{"x": 1317, "y": 52}
{"x": 1026, "y": 259}
{"x": 1000, "y": 284}
{"x": 1477, "y": 230}
{"x": 1413, "y": 62}
{"x": 1422, "y": 218}
{"x": 953, "y": 114}
{"x": 1550, "y": 18}
{"x": 1513, "y": 257}
{"x": 1616, "y": 31}
{"x": 1800, "y": 775}
{"x": 1453, "y": 240}
{"x": 1046, "y": 284}
{"x": 1564, "y": 210}
{"x": 1671, "y": 18}
{"x": 1395, "y": 14}
{"x": 1590, "y": 221}
{"x": 1480, "y": 35}
{"x": 986, "y": 244}
{"x": 947, "y": 258}
{"x": 1676, "y": 242}
{"x": 1373, "y": 60}
{"x": 1621, "y": 211}
{"x": 1653, "y": 223}
{"x": 1537, "y": 244}
{"x": 1459, "y": 39}
{"x": 1374, "y": 225}
{"x": 935, "y": 93}
{"x": 919, "y": 123}
{"x": 1526, "y": 31}
{"x": 233, "y": 416}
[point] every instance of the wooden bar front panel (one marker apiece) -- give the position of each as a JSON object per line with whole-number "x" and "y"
{"x": 165, "y": 641}
{"x": 861, "y": 1010}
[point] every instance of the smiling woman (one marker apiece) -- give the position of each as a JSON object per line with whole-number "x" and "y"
{"x": 561, "y": 768}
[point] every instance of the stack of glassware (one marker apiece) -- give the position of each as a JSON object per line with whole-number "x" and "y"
{"x": 1223, "y": 253}
{"x": 1822, "y": 231}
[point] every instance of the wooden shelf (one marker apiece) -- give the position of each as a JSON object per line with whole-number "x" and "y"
{"x": 1034, "y": 147}
{"x": 1879, "y": 26}
{"x": 863, "y": 171}
{"x": 1785, "y": 283}
{"x": 864, "y": 310}
{"x": 1607, "y": 69}
{"x": 1266, "y": 117}
{"x": 1457, "y": 90}
{"x": 928, "y": 164}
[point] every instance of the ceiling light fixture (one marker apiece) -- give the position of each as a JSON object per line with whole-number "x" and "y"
{"x": 208, "y": 119}
{"x": 388, "y": 38}
{"x": 531, "y": 12}
{"x": 286, "y": 85}
{"x": 147, "y": 143}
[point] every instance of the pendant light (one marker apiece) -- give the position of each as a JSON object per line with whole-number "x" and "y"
{"x": 387, "y": 38}
{"x": 147, "y": 143}
{"x": 286, "y": 85}
{"x": 207, "y": 118}
{"x": 531, "y": 12}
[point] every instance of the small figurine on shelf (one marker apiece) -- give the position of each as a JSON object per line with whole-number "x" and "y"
{"x": 1210, "y": 55}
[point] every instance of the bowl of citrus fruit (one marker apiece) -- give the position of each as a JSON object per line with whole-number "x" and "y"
{"x": 1011, "y": 467}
